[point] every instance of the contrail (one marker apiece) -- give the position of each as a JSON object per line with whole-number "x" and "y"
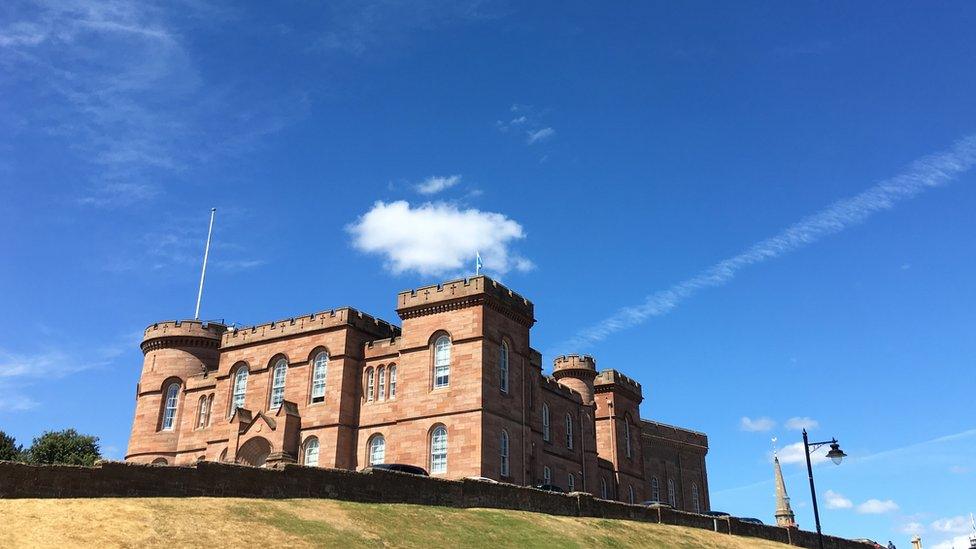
{"x": 930, "y": 171}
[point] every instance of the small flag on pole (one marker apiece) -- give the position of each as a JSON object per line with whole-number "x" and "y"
{"x": 477, "y": 263}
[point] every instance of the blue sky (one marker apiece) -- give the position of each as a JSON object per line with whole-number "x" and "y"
{"x": 738, "y": 205}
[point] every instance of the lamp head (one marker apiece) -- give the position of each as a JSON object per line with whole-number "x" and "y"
{"x": 836, "y": 454}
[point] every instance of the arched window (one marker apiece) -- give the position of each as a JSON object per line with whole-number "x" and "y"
{"x": 369, "y": 384}
{"x": 278, "y": 384}
{"x": 603, "y": 488}
{"x": 169, "y": 406}
{"x": 209, "y": 408}
{"x": 311, "y": 452}
{"x": 545, "y": 422}
{"x": 696, "y": 504}
{"x": 239, "y": 390}
{"x": 569, "y": 431}
{"x": 393, "y": 381}
{"x": 160, "y": 461}
{"x": 438, "y": 450}
{"x": 655, "y": 490}
{"x": 442, "y": 361}
{"x": 503, "y": 367}
{"x": 671, "y": 499}
{"x": 546, "y": 475}
{"x": 571, "y": 483}
{"x": 503, "y": 451}
{"x": 320, "y": 368}
{"x": 377, "y": 449}
{"x": 627, "y": 434}
{"x": 202, "y": 413}
{"x": 630, "y": 493}
{"x": 381, "y": 384}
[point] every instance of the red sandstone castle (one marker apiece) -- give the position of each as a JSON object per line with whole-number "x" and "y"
{"x": 457, "y": 390}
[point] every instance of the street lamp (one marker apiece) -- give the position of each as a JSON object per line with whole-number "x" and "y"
{"x": 836, "y": 455}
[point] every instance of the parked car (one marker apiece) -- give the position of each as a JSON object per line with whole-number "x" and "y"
{"x": 655, "y": 503}
{"x": 398, "y": 468}
{"x": 549, "y": 488}
{"x": 483, "y": 479}
{"x": 717, "y": 514}
{"x": 751, "y": 520}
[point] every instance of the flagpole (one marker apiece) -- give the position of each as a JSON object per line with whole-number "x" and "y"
{"x": 203, "y": 273}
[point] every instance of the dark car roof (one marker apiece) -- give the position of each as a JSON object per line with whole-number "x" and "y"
{"x": 399, "y": 468}
{"x": 549, "y": 487}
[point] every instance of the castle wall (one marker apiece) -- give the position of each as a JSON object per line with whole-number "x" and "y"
{"x": 676, "y": 455}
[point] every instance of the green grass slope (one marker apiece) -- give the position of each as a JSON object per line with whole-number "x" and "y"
{"x": 225, "y": 522}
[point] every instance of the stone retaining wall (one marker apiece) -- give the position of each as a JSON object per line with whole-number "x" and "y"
{"x": 118, "y": 479}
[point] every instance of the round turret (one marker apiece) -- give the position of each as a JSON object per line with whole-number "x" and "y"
{"x": 576, "y": 372}
{"x": 174, "y": 352}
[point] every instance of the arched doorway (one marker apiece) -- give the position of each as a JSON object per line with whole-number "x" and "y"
{"x": 254, "y": 452}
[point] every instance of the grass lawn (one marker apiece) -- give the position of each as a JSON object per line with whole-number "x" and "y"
{"x": 224, "y": 522}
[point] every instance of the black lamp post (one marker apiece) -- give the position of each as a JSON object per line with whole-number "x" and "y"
{"x": 836, "y": 455}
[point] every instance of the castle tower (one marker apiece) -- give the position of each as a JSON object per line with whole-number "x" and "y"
{"x": 618, "y": 432}
{"x": 576, "y": 372}
{"x": 174, "y": 352}
{"x": 784, "y": 514}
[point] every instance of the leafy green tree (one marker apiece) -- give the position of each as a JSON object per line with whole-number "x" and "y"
{"x": 9, "y": 449}
{"x": 68, "y": 447}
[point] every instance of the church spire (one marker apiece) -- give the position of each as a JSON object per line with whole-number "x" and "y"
{"x": 784, "y": 514}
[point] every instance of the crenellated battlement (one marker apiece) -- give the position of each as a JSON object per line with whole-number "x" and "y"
{"x": 550, "y": 383}
{"x": 382, "y": 347}
{"x": 608, "y": 380}
{"x": 574, "y": 362}
{"x": 182, "y": 333}
{"x": 464, "y": 292}
{"x": 673, "y": 434}
{"x": 343, "y": 316}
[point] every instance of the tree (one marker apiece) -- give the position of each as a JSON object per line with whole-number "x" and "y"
{"x": 9, "y": 449}
{"x": 67, "y": 447}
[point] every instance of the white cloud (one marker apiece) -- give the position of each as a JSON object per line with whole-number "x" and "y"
{"x": 539, "y": 135}
{"x": 954, "y": 543}
{"x": 758, "y": 425}
{"x": 436, "y": 184}
{"x": 438, "y": 238}
{"x": 793, "y": 453}
{"x": 952, "y": 525}
{"x": 877, "y": 507}
{"x": 912, "y": 528}
{"x": 798, "y": 423}
{"x": 923, "y": 174}
{"x": 836, "y": 501}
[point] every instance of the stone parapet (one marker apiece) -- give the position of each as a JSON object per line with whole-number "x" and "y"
{"x": 343, "y": 316}
{"x": 463, "y": 293}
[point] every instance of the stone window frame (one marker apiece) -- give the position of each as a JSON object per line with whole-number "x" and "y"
{"x": 630, "y": 493}
{"x": 273, "y": 365}
{"x": 546, "y": 475}
{"x": 546, "y": 423}
{"x": 370, "y": 442}
{"x": 431, "y": 433}
{"x": 313, "y": 365}
{"x": 432, "y": 343}
{"x": 569, "y": 431}
{"x": 307, "y": 447}
{"x": 203, "y": 412}
{"x": 391, "y": 386}
{"x": 504, "y": 365}
{"x": 672, "y": 496}
{"x": 571, "y": 483}
{"x": 381, "y": 383}
{"x": 603, "y": 488}
{"x": 655, "y": 489}
{"x": 165, "y": 388}
{"x": 696, "y": 502}
{"x": 234, "y": 372}
{"x": 504, "y": 450}
{"x": 369, "y": 384}
{"x": 627, "y": 442}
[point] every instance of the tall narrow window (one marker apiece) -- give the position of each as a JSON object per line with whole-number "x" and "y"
{"x": 655, "y": 490}
{"x": 169, "y": 410}
{"x": 545, "y": 422}
{"x": 369, "y": 384}
{"x": 603, "y": 488}
{"x": 381, "y": 383}
{"x": 438, "y": 450}
{"x": 503, "y": 367}
{"x": 312, "y": 452}
{"x": 627, "y": 434}
{"x": 569, "y": 431}
{"x": 240, "y": 389}
{"x": 503, "y": 451}
{"x": 671, "y": 499}
{"x": 571, "y": 483}
{"x": 630, "y": 493}
{"x": 546, "y": 475}
{"x": 393, "y": 381}
{"x": 209, "y": 410}
{"x": 377, "y": 450}
{"x": 278, "y": 384}
{"x": 320, "y": 370}
{"x": 202, "y": 414}
{"x": 442, "y": 361}
{"x": 695, "y": 502}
